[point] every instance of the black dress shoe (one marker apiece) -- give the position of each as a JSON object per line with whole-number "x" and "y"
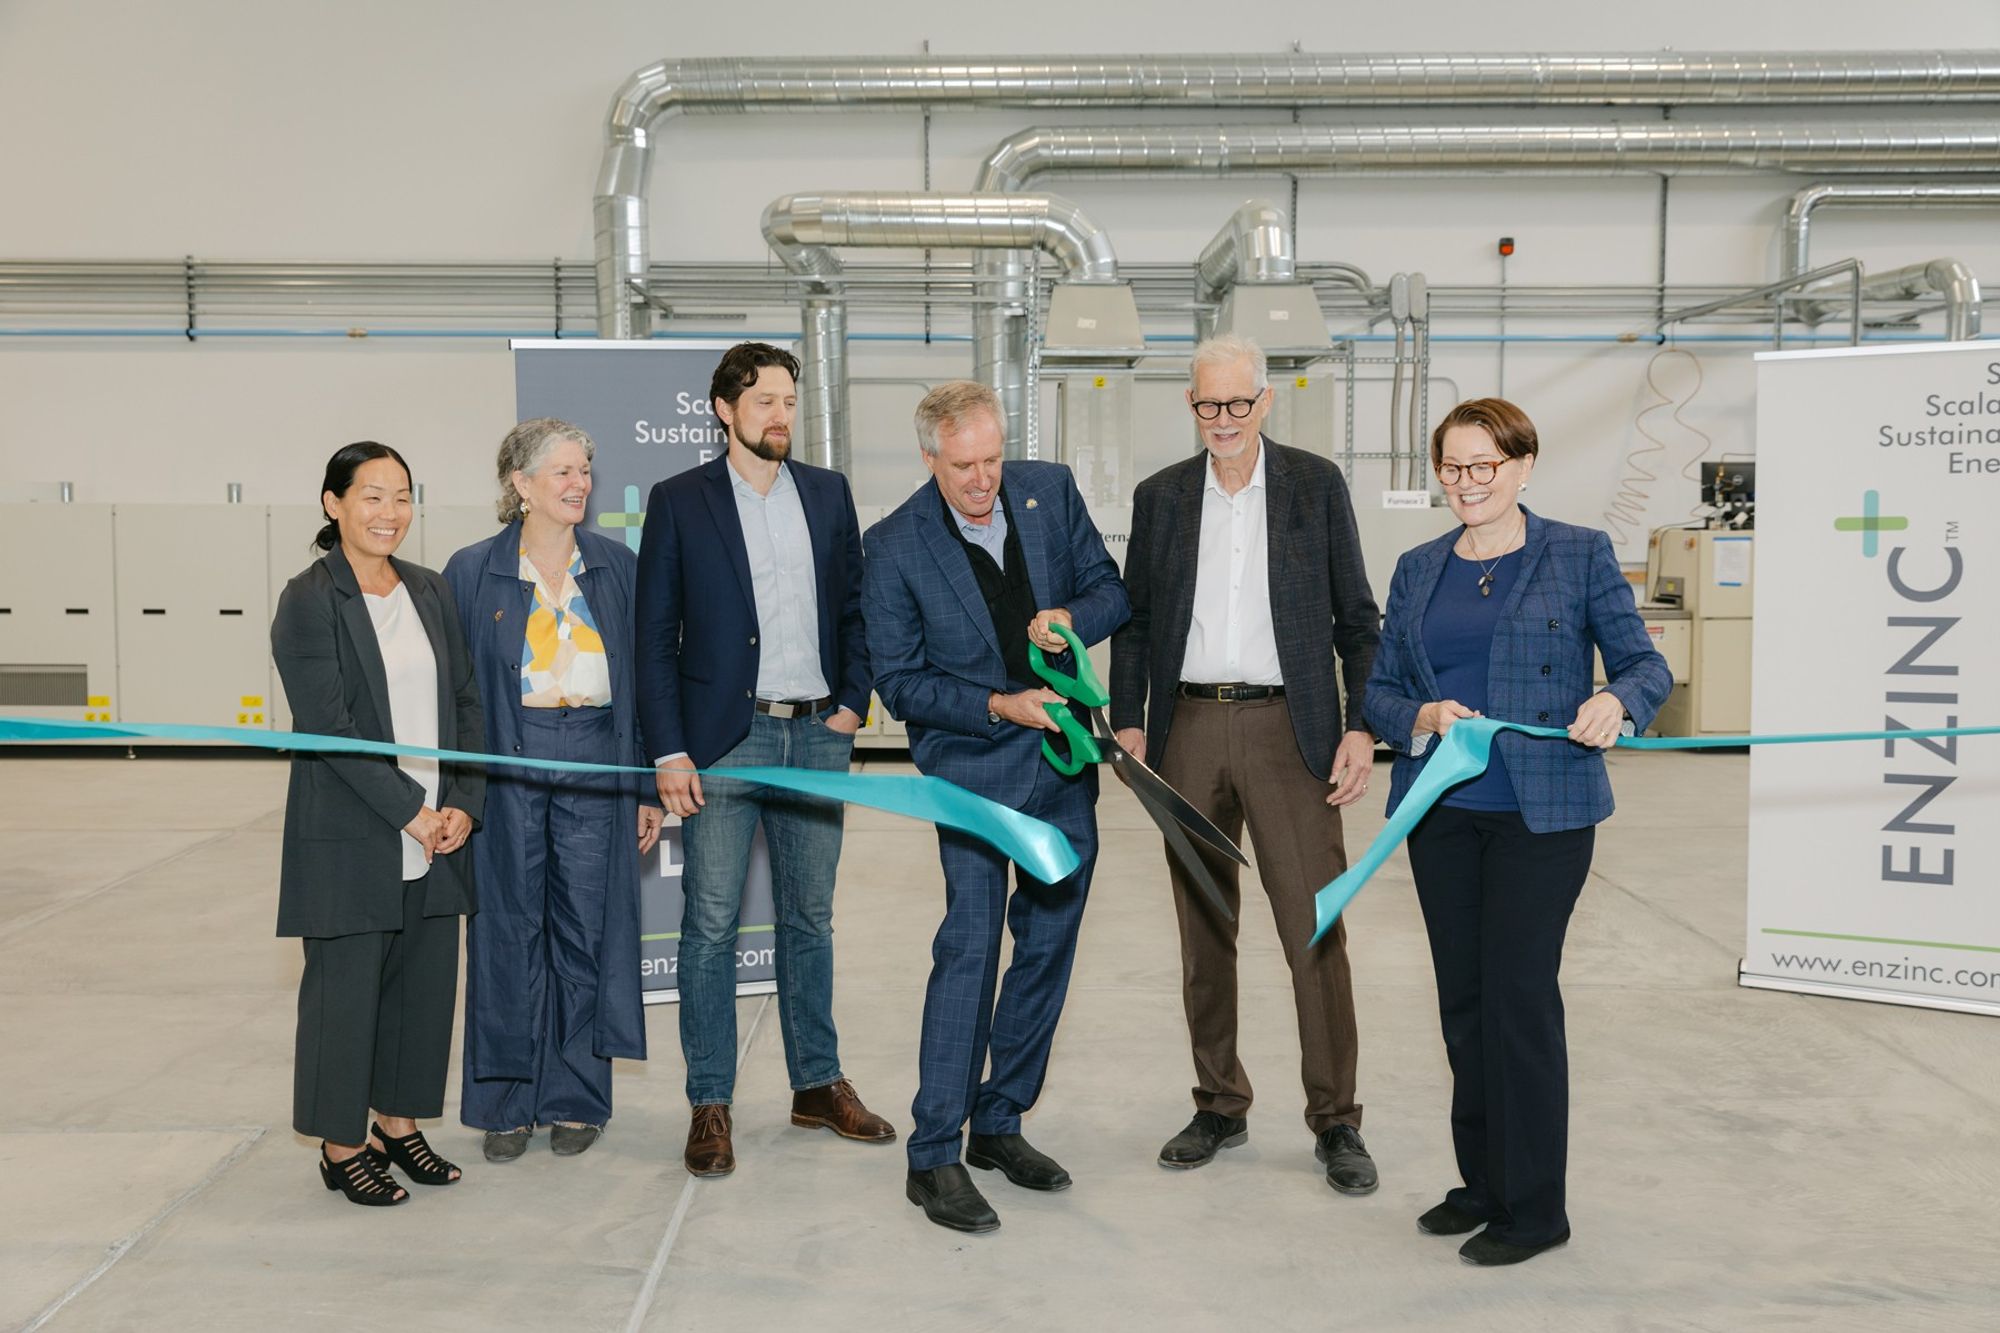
{"x": 1349, "y": 1168}
{"x": 1487, "y": 1251}
{"x": 1015, "y": 1158}
{"x": 1204, "y": 1136}
{"x": 950, "y": 1199}
{"x": 1448, "y": 1219}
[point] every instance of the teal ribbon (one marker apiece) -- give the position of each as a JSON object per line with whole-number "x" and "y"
{"x": 1466, "y": 749}
{"x": 1037, "y": 846}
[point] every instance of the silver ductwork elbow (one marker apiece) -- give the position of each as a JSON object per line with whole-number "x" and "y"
{"x": 803, "y": 230}
{"x": 1797, "y": 232}
{"x": 1255, "y": 245}
{"x": 1949, "y": 278}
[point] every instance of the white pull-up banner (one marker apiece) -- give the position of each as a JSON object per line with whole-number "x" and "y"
{"x": 1875, "y": 866}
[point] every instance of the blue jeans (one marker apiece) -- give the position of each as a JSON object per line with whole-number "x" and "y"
{"x": 540, "y": 930}
{"x": 803, "y": 833}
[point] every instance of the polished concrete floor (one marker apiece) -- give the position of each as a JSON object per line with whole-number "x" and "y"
{"x": 1740, "y": 1159}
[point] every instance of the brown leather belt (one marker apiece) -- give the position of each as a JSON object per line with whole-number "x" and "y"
{"x": 1230, "y": 692}
{"x": 793, "y": 707}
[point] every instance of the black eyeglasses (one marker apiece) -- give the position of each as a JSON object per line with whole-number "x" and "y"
{"x": 1480, "y": 473}
{"x": 1208, "y": 409}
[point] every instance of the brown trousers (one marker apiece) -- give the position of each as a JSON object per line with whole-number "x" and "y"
{"x": 1236, "y": 762}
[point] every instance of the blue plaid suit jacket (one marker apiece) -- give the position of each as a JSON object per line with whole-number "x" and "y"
{"x": 931, "y": 640}
{"x": 1568, "y": 597}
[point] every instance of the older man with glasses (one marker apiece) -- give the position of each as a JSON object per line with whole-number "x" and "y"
{"x": 1245, "y": 577}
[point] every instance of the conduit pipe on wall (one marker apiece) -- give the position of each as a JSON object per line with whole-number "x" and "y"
{"x": 804, "y": 229}
{"x": 1255, "y": 245}
{"x": 660, "y": 91}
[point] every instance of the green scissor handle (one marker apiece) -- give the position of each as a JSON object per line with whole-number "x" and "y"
{"x": 1085, "y": 688}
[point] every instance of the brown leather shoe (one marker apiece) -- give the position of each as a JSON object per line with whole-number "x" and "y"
{"x": 838, "y": 1107}
{"x": 708, "y": 1151}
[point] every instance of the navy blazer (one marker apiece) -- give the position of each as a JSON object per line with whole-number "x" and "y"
{"x": 493, "y": 605}
{"x": 931, "y": 639}
{"x": 697, "y": 627}
{"x": 1568, "y": 598}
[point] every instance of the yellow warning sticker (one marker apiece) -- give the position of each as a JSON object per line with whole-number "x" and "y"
{"x": 1301, "y": 382}
{"x": 98, "y": 701}
{"x": 1098, "y": 382}
{"x": 253, "y": 701}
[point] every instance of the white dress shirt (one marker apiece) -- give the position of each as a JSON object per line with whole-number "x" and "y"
{"x": 1230, "y": 638}
{"x": 411, "y": 667}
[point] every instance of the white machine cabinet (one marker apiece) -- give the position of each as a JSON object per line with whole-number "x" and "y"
{"x": 58, "y": 613}
{"x": 194, "y": 614}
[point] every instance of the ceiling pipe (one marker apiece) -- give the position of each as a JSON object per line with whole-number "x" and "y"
{"x": 1255, "y": 245}
{"x": 803, "y": 231}
{"x": 660, "y": 91}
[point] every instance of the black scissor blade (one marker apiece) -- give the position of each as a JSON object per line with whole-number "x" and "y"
{"x": 1190, "y": 858}
{"x": 1145, "y": 783}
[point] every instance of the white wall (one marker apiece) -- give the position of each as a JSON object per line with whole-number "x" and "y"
{"x": 469, "y": 129}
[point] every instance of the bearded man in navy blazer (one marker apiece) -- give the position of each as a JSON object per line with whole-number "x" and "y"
{"x": 960, "y": 580}
{"x": 751, "y": 653}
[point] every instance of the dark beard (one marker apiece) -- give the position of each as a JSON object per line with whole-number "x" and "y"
{"x": 764, "y": 448}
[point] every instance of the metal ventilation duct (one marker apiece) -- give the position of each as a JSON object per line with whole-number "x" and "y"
{"x": 1653, "y": 147}
{"x": 1872, "y": 194}
{"x": 803, "y": 230}
{"x": 1949, "y": 278}
{"x": 1255, "y": 245}
{"x": 660, "y": 91}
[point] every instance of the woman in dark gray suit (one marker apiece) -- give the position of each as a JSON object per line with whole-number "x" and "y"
{"x": 374, "y": 878}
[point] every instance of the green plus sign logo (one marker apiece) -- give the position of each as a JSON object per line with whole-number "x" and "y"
{"x": 631, "y": 518}
{"x": 1869, "y": 523}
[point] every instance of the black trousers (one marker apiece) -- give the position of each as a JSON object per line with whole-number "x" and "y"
{"x": 375, "y": 1013}
{"x": 1497, "y": 899}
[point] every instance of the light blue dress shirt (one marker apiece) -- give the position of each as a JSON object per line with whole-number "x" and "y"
{"x": 786, "y": 587}
{"x": 988, "y": 537}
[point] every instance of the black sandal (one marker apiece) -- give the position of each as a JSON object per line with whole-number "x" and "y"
{"x": 361, "y": 1180}
{"x": 414, "y": 1155}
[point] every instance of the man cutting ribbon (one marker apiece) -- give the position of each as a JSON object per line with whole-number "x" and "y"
{"x": 959, "y": 582}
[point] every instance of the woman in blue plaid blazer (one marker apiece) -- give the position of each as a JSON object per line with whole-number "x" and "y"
{"x": 1499, "y": 618}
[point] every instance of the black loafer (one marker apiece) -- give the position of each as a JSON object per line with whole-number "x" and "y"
{"x": 1015, "y": 1158}
{"x": 1349, "y": 1168}
{"x": 950, "y": 1199}
{"x": 1448, "y": 1219}
{"x": 504, "y": 1145}
{"x": 1487, "y": 1251}
{"x": 569, "y": 1140}
{"x": 1205, "y": 1135}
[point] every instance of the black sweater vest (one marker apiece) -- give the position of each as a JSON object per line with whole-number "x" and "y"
{"x": 1010, "y": 598}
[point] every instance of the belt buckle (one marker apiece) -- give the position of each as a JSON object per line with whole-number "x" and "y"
{"x": 1225, "y": 693}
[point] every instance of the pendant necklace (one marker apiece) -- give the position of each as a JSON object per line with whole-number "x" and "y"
{"x": 1486, "y": 569}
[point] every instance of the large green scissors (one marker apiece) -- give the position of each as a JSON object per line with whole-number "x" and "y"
{"x": 1169, "y": 809}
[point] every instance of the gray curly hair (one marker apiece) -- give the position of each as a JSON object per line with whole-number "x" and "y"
{"x": 526, "y": 447}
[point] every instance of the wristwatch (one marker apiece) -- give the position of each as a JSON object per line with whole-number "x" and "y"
{"x": 992, "y": 718}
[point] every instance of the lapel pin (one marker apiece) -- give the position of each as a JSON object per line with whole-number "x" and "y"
{"x": 1031, "y": 502}
{"x": 497, "y": 615}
